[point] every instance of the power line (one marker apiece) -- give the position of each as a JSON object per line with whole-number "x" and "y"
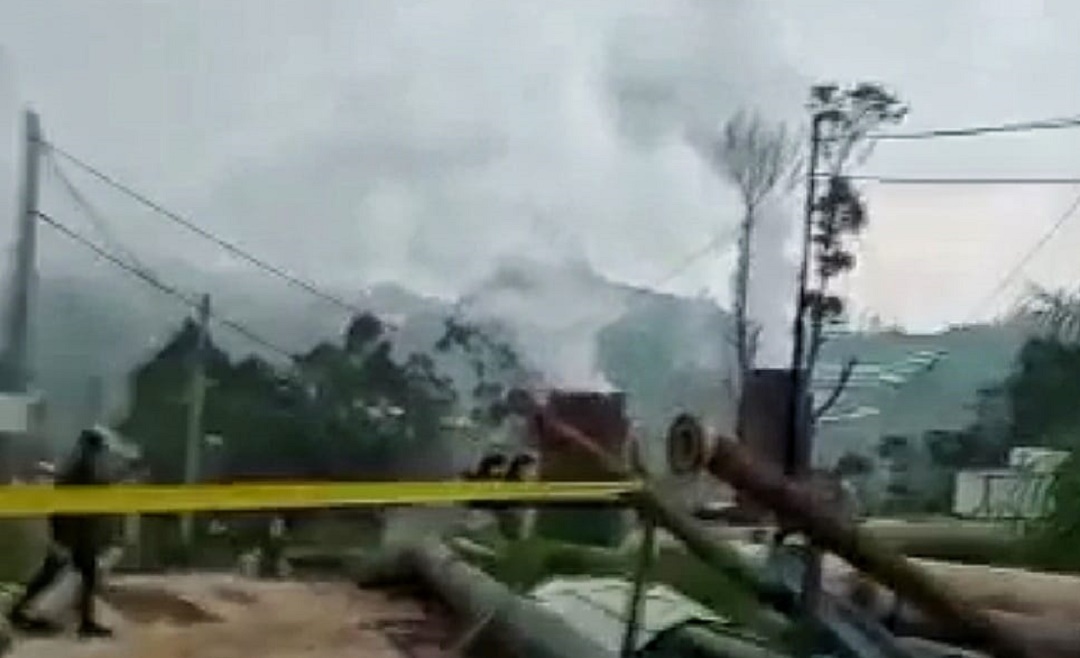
{"x": 231, "y": 247}
{"x": 96, "y": 218}
{"x": 691, "y": 259}
{"x": 1026, "y": 258}
{"x": 973, "y": 131}
{"x": 684, "y": 264}
{"x": 972, "y": 180}
{"x": 158, "y": 284}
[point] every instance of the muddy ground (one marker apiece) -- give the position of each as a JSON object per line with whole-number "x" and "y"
{"x": 226, "y": 616}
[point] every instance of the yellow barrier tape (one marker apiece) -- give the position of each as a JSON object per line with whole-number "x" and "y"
{"x": 37, "y": 500}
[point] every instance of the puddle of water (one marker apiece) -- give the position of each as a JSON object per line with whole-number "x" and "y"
{"x": 145, "y": 605}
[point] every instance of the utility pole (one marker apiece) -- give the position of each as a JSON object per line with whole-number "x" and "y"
{"x": 799, "y": 431}
{"x": 799, "y": 377}
{"x": 196, "y": 398}
{"x": 16, "y": 351}
{"x": 15, "y": 361}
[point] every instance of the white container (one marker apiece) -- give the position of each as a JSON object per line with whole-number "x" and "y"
{"x": 1001, "y": 493}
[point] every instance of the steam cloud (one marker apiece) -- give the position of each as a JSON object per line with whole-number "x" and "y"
{"x": 555, "y": 311}
{"x": 407, "y": 143}
{"x": 772, "y": 278}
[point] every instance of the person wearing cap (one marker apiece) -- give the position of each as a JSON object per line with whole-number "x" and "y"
{"x": 492, "y": 466}
{"x": 75, "y": 541}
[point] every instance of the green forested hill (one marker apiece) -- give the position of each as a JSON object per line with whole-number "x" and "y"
{"x": 940, "y": 397}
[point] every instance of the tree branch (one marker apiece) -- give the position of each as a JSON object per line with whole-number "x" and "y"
{"x": 841, "y": 385}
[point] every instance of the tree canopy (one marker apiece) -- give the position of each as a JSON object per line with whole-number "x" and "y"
{"x": 1040, "y": 404}
{"x": 1043, "y": 392}
{"x": 345, "y": 409}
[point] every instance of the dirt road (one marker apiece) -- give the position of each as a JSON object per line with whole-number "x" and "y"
{"x": 225, "y": 616}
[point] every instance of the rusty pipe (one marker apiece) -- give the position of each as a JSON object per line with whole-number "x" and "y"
{"x": 796, "y": 504}
{"x": 731, "y": 462}
{"x": 679, "y": 523}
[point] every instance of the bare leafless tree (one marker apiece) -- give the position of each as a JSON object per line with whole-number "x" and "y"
{"x": 759, "y": 159}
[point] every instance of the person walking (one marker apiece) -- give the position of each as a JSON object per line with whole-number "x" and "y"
{"x": 478, "y": 514}
{"x": 75, "y": 541}
{"x": 516, "y": 521}
{"x": 273, "y": 549}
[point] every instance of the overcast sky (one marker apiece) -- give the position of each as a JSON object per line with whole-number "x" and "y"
{"x": 421, "y": 141}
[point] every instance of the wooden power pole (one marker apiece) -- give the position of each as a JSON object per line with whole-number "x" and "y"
{"x": 800, "y": 385}
{"x": 196, "y": 399}
{"x": 15, "y": 363}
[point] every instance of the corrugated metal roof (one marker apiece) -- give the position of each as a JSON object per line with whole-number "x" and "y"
{"x": 598, "y": 608}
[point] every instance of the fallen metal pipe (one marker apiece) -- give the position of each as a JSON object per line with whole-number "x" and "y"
{"x": 1030, "y": 593}
{"x": 930, "y": 649}
{"x": 520, "y": 627}
{"x": 671, "y": 517}
{"x": 797, "y": 504}
{"x": 1049, "y": 633}
{"x": 1046, "y": 636}
{"x": 730, "y": 462}
{"x": 863, "y": 635}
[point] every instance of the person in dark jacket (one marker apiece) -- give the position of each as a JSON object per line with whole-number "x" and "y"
{"x": 513, "y": 518}
{"x": 492, "y": 467}
{"x": 76, "y": 540}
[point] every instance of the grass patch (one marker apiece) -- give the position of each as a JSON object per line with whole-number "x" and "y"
{"x": 22, "y": 544}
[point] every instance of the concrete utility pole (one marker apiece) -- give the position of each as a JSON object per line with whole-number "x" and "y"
{"x": 15, "y": 360}
{"x": 16, "y": 349}
{"x": 196, "y": 398}
{"x": 799, "y": 377}
{"x": 800, "y": 430}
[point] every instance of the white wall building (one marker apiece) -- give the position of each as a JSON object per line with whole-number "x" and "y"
{"x": 1018, "y": 491}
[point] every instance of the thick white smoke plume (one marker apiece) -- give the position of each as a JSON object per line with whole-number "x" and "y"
{"x": 555, "y": 311}
{"x": 773, "y": 269}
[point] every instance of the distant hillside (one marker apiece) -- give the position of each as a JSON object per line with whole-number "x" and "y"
{"x": 941, "y": 396}
{"x": 668, "y": 353}
{"x": 671, "y": 355}
{"x": 576, "y": 327}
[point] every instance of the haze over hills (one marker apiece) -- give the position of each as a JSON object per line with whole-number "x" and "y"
{"x": 96, "y": 324}
{"x": 912, "y": 399}
{"x": 668, "y": 353}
